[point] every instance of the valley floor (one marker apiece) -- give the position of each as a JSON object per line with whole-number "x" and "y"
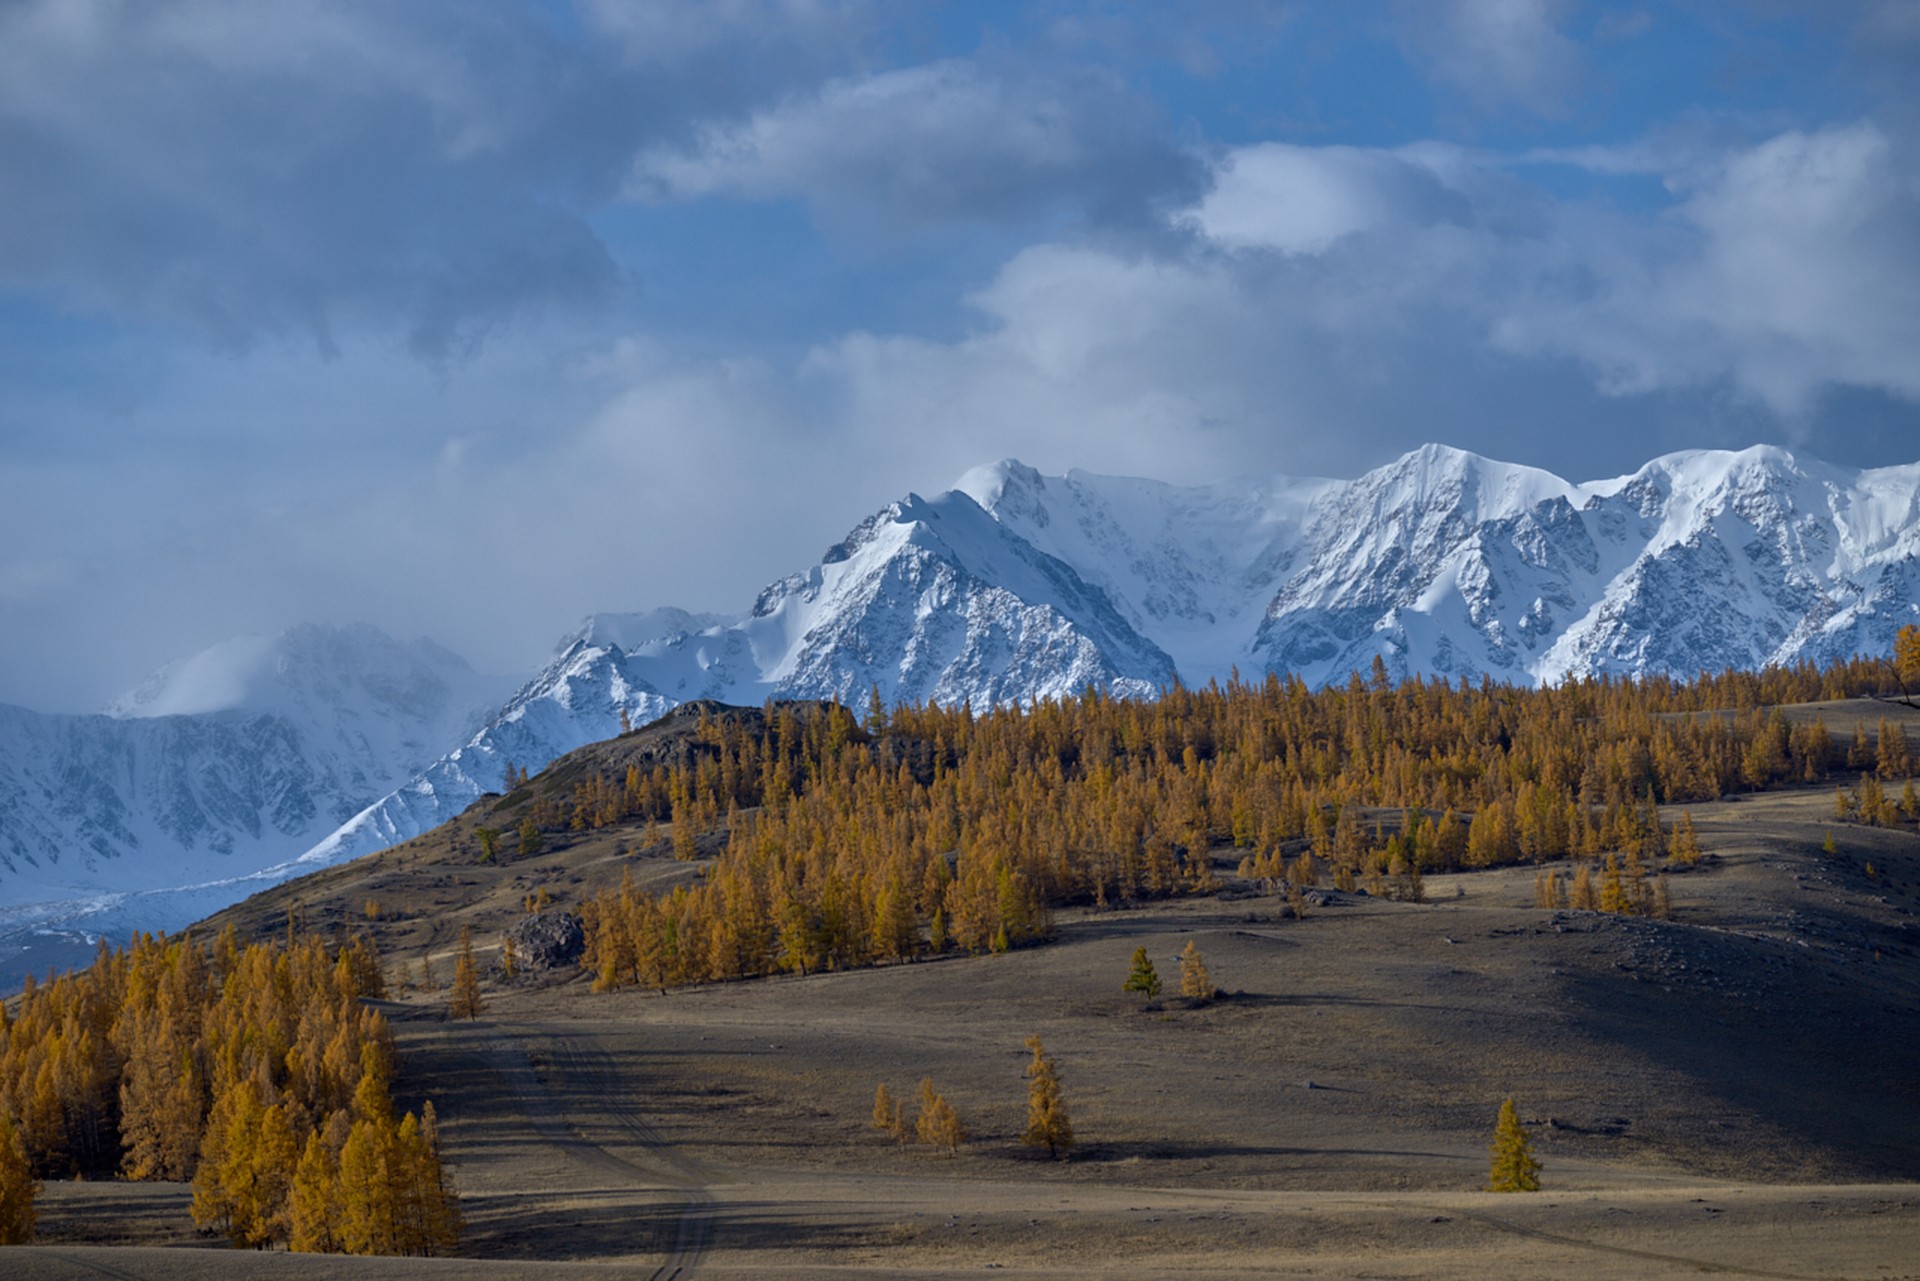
{"x": 1729, "y": 1092}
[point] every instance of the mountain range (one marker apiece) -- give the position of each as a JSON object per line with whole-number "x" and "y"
{"x": 1012, "y": 586}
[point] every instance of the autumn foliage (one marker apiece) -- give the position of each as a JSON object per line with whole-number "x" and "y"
{"x": 927, "y": 829}
{"x": 257, "y": 1073}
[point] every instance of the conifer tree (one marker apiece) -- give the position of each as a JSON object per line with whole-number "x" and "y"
{"x": 1047, "y": 1123}
{"x": 1583, "y": 897}
{"x": 1685, "y": 847}
{"x": 1513, "y": 1166}
{"x": 1906, "y": 660}
{"x": 1195, "y": 981}
{"x": 938, "y": 1125}
{"x": 366, "y": 1189}
{"x": 509, "y": 955}
{"x": 889, "y": 1114}
{"x": 1613, "y": 894}
{"x": 465, "y": 1001}
{"x": 315, "y": 1199}
{"x": 444, "y": 1221}
{"x": 17, "y": 1186}
{"x": 1142, "y": 978}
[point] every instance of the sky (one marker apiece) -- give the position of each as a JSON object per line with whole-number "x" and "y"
{"x": 468, "y": 320}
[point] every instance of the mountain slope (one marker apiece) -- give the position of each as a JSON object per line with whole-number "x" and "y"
{"x": 219, "y": 765}
{"x": 1013, "y": 586}
{"x": 926, "y": 599}
{"x": 1016, "y": 586}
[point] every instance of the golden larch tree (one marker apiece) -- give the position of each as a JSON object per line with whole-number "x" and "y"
{"x": 465, "y": 1002}
{"x": 938, "y": 1125}
{"x": 1906, "y": 659}
{"x": 1047, "y": 1123}
{"x": 889, "y": 1114}
{"x": 1513, "y": 1167}
{"x": 17, "y": 1186}
{"x": 1195, "y": 982}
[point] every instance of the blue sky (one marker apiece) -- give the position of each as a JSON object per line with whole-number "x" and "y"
{"x": 466, "y": 320}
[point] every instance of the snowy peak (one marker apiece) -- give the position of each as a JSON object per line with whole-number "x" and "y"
{"x": 355, "y": 666}
{"x": 1013, "y": 586}
{"x": 1452, "y": 483}
{"x": 225, "y": 762}
{"x": 631, "y": 631}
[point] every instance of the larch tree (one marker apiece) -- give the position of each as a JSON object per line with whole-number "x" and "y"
{"x": 1513, "y": 1166}
{"x": 465, "y": 1001}
{"x": 1142, "y": 978}
{"x": 938, "y": 1125}
{"x": 889, "y": 1114}
{"x": 1047, "y": 1122}
{"x": 1906, "y": 660}
{"x": 314, "y": 1200}
{"x": 1195, "y": 981}
{"x": 1685, "y": 846}
{"x": 17, "y": 1186}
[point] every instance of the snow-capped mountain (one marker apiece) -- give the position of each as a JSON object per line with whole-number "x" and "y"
{"x": 927, "y": 599}
{"x": 221, "y": 764}
{"x": 1015, "y": 586}
{"x": 1012, "y": 586}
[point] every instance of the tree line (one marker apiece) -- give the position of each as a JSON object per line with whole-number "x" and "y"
{"x": 258, "y": 1073}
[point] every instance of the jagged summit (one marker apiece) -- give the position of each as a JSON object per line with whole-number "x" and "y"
{"x": 1017, "y": 585}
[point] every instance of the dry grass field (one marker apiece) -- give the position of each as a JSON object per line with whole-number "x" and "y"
{"x": 1731, "y": 1091}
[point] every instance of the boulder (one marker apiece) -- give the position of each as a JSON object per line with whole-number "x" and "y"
{"x": 549, "y": 940}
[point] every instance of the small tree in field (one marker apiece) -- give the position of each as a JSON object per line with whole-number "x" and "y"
{"x": 1142, "y": 978}
{"x": 1513, "y": 1168}
{"x": 1195, "y": 981}
{"x": 465, "y": 1002}
{"x": 938, "y": 1124}
{"x": 1047, "y": 1123}
{"x": 889, "y": 1114}
{"x": 1685, "y": 846}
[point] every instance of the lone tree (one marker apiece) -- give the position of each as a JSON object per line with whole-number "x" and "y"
{"x": 465, "y": 1002}
{"x": 1141, "y": 978}
{"x": 1513, "y": 1169}
{"x": 889, "y": 1114}
{"x": 17, "y": 1186}
{"x": 938, "y": 1124}
{"x": 1195, "y": 982}
{"x": 1906, "y": 660}
{"x": 1047, "y": 1123}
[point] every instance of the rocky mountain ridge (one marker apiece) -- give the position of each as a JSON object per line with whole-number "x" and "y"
{"x": 1015, "y": 586}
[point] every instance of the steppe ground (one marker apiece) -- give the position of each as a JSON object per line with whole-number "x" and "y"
{"x": 1730, "y": 1092}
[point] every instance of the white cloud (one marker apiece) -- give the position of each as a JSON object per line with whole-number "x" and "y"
{"x": 932, "y": 143}
{"x": 1496, "y": 52}
{"x": 1787, "y": 268}
{"x": 1303, "y": 199}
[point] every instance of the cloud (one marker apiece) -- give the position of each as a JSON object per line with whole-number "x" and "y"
{"x": 1497, "y": 53}
{"x": 428, "y": 170}
{"x": 941, "y": 142}
{"x": 1303, "y": 199}
{"x": 1787, "y": 268}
